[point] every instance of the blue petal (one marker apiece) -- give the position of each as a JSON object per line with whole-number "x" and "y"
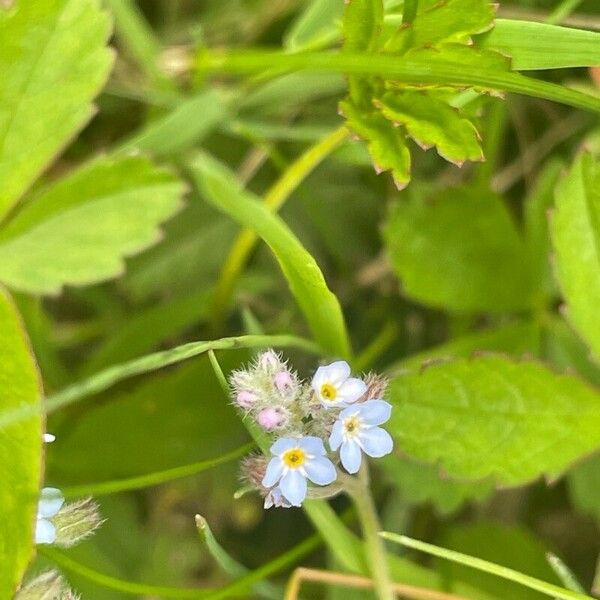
{"x": 350, "y": 411}
{"x": 283, "y": 444}
{"x": 273, "y": 473}
{"x": 351, "y": 456}
{"x": 337, "y": 435}
{"x": 50, "y": 502}
{"x": 45, "y": 532}
{"x": 375, "y": 412}
{"x": 376, "y": 442}
{"x": 293, "y": 486}
{"x": 312, "y": 445}
{"x": 335, "y": 373}
{"x": 320, "y": 470}
{"x": 351, "y": 390}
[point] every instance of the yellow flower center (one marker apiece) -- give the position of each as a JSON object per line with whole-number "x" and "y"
{"x": 294, "y": 458}
{"x": 328, "y": 392}
{"x": 351, "y": 425}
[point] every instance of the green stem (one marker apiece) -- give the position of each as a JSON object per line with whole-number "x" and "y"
{"x": 274, "y": 199}
{"x": 410, "y": 11}
{"x": 367, "y": 513}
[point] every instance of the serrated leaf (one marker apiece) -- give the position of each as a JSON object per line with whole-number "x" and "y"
{"x": 50, "y": 74}
{"x": 459, "y": 250}
{"x": 575, "y": 230}
{"x": 387, "y": 144}
{"x": 445, "y": 22}
{"x": 490, "y": 416}
{"x": 418, "y": 483}
{"x": 20, "y": 449}
{"x": 432, "y": 122}
{"x": 362, "y": 24}
{"x": 78, "y": 231}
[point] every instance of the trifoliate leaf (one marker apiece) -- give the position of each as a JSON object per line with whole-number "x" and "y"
{"x": 432, "y": 122}
{"x": 78, "y": 231}
{"x": 53, "y": 60}
{"x": 387, "y": 144}
{"x": 490, "y": 416}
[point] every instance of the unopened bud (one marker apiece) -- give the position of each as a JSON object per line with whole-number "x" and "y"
{"x": 75, "y": 522}
{"x": 376, "y": 387}
{"x": 246, "y": 399}
{"x": 269, "y": 361}
{"x": 270, "y": 418}
{"x": 253, "y": 470}
{"x": 284, "y": 381}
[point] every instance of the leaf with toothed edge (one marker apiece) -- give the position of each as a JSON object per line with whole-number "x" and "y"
{"x": 492, "y": 417}
{"x": 78, "y": 230}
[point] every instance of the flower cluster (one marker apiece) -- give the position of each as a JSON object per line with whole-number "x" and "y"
{"x": 316, "y": 426}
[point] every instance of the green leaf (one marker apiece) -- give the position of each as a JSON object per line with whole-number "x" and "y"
{"x": 490, "y": 416}
{"x": 20, "y": 449}
{"x": 533, "y": 45}
{"x": 320, "y": 307}
{"x": 418, "y": 483}
{"x": 314, "y": 25}
{"x": 575, "y": 229}
{"x": 50, "y": 74}
{"x": 449, "y": 21}
{"x": 432, "y": 122}
{"x": 512, "y": 547}
{"x": 583, "y": 484}
{"x": 459, "y": 250}
{"x": 387, "y": 145}
{"x": 362, "y": 24}
{"x": 78, "y": 231}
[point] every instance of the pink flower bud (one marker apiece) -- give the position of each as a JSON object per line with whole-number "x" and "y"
{"x": 269, "y": 360}
{"x": 269, "y": 418}
{"x": 283, "y": 381}
{"x": 245, "y": 399}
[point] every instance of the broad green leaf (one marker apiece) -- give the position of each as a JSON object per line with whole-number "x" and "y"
{"x": 50, "y": 74}
{"x": 575, "y": 229}
{"x": 512, "y": 547}
{"x": 583, "y": 482}
{"x": 459, "y": 250}
{"x": 532, "y": 45}
{"x": 20, "y": 449}
{"x": 489, "y": 416}
{"x": 320, "y": 307}
{"x": 417, "y": 483}
{"x": 431, "y": 122}
{"x": 362, "y": 24}
{"x": 387, "y": 144}
{"x": 79, "y": 230}
{"x": 450, "y": 21}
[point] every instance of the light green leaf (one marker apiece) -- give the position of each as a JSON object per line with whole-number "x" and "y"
{"x": 575, "y": 229}
{"x": 583, "y": 484}
{"x": 534, "y": 46}
{"x": 362, "y": 24}
{"x": 490, "y": 416}
{"x": 459, "y": 250}
{"x": 450, "y": 21}
{"x": 387, "y": 145}
{"x": 316, "y": 23}
{"x": 418, "y": 483}
{"x": 50, "y": 74}
{"x": 77, "y": 231}
{"x": 20, "y": 449}
{"x": 432, "y": 122}
{"x": 320, "y": 307}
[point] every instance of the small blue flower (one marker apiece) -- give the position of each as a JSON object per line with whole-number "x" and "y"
{"x": 356, "y": 432}
{"x": 294, "y": 460}
{"x": 49, "y": 505}
{"x": 334, "y": 387}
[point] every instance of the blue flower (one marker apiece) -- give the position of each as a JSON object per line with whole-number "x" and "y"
{"x": 334, "y": 387}
{"x": 356, "y": 432}
{"x": 49, "y": 505}
{"x": 294, "y": 460}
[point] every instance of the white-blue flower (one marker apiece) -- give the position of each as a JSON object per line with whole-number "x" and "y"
{"x": 294, "y": 460}
{"x": 49, "y": 505}
{"x": 334, "y": 387}
{"x": 357, "y": 431}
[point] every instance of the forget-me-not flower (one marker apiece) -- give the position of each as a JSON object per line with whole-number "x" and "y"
{"x": 334, "y": 387}
{"x": 294, "y": 461}
{"x": 49, "y": 505}
{"x": 357, "y": 431}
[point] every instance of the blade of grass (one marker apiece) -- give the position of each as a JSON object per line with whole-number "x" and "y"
{"x": 487, "y": 567}
{"x": 411, "y": 71}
